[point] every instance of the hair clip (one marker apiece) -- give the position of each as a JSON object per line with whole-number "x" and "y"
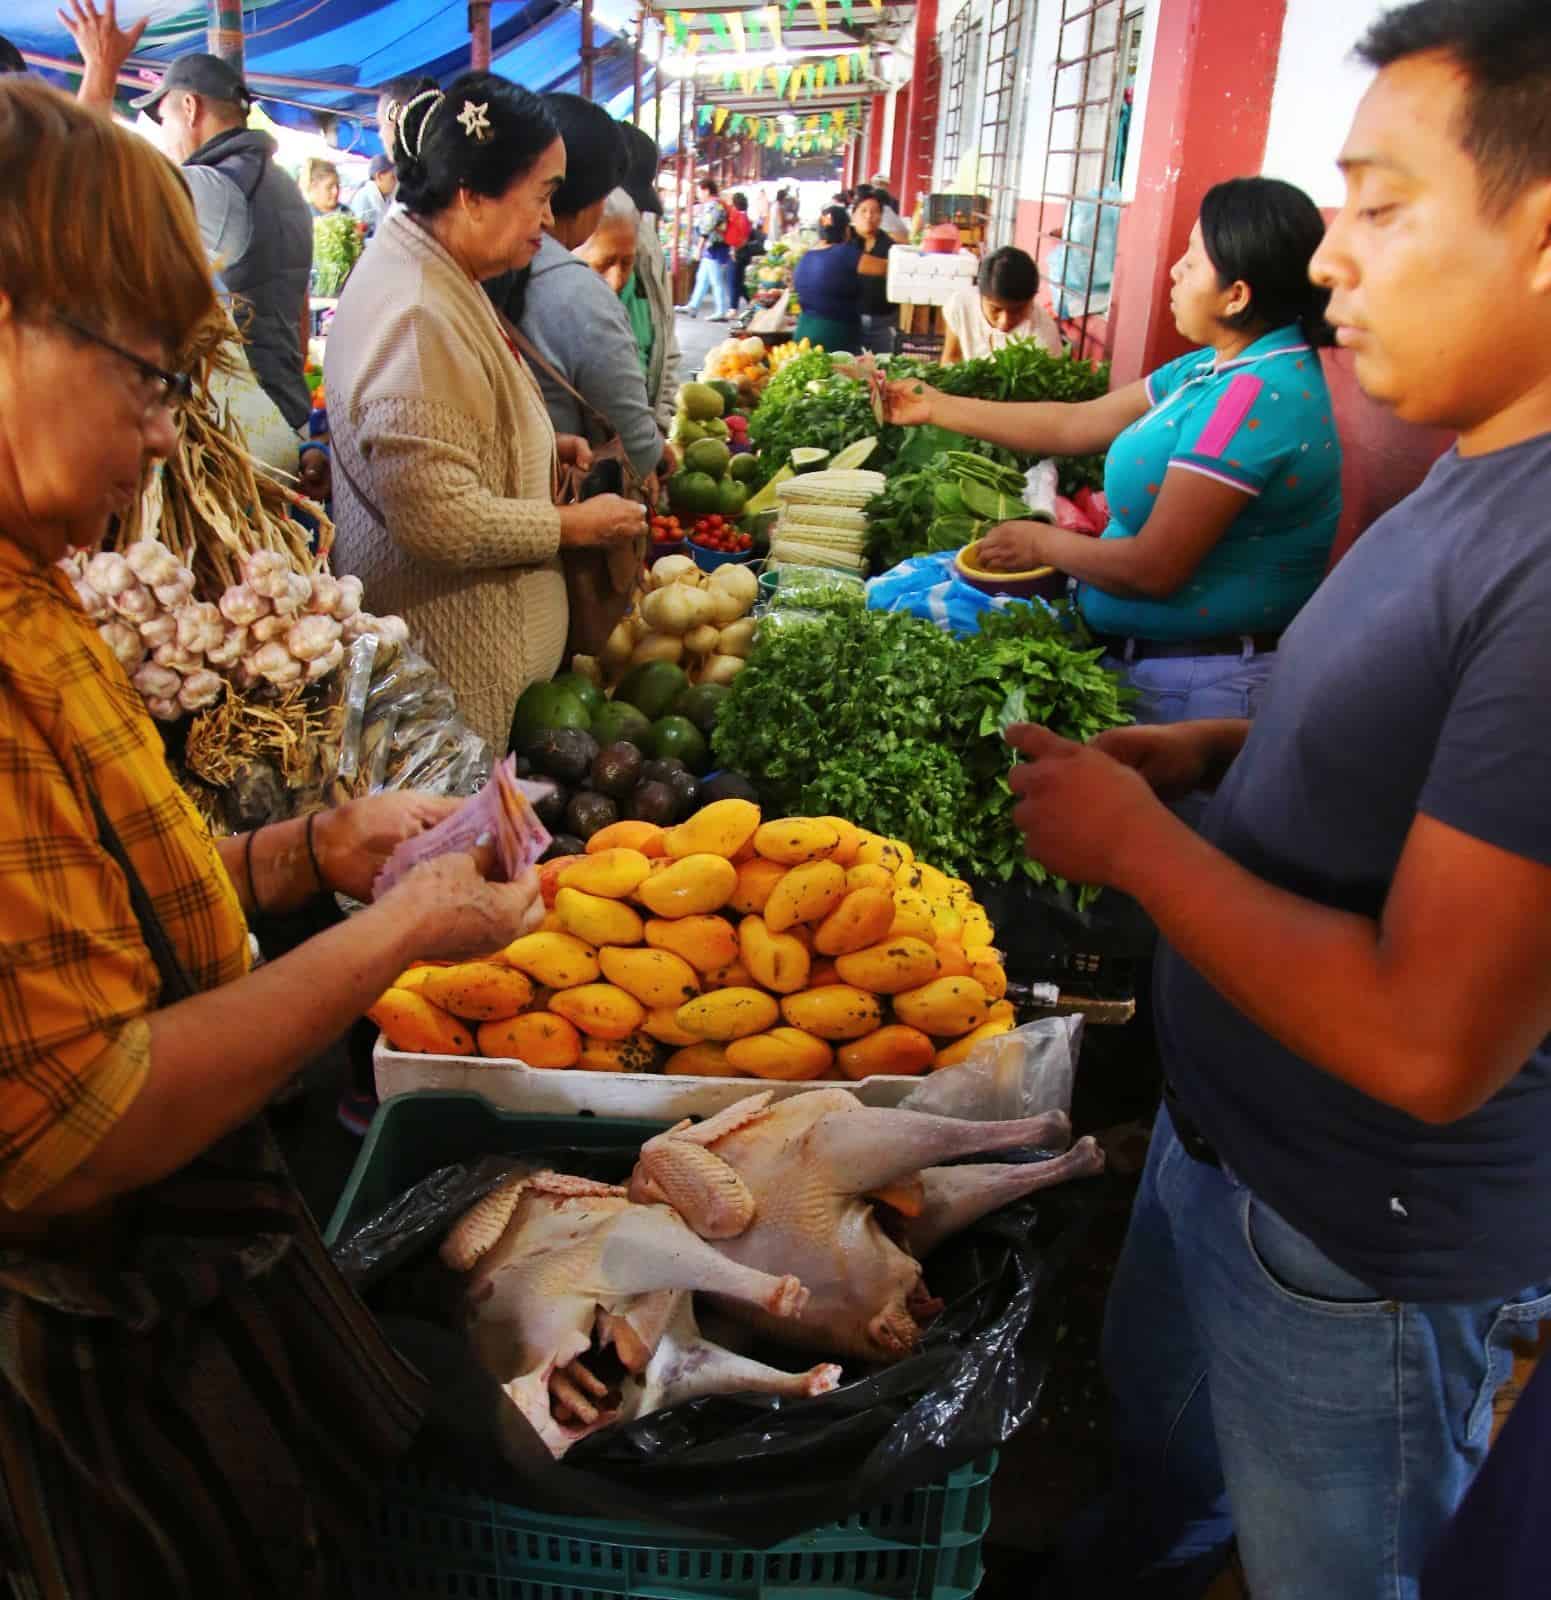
{"x": 476, "y": 120}
{"x": 435, "y": 95}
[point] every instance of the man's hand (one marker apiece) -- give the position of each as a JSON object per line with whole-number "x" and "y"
{"x": 104, "y": 46}
{"x": 1175, "y": 758}
{"x": 1081, "y": 812}
{"x": 353, "y": 841}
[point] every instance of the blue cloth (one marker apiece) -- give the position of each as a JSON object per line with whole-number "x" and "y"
{"x": 1415, "y": 681}
{"x": 710, "y": 278}
{"x": 828, "y": 285}
{"x": 928, "y": 586}
{"x": 1249, "y": 1370}
{"x": 1261, "y": 424}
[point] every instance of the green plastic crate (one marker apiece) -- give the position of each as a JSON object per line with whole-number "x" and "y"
{"x": 432, "y": 1538}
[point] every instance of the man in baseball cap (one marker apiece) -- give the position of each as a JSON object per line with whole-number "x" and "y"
{"x": 252, "y": 217}
{"x": 373, "y": 199}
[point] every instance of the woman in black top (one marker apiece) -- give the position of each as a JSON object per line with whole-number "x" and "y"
{"x": 876, "y": 308}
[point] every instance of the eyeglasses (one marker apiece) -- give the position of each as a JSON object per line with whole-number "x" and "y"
{"x": 169, "y": 390}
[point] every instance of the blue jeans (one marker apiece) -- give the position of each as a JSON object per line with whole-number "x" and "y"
{"x": 710, "y": 275}
{"x": 1188, "y": 688}
{"x": 1260, "y": 1390}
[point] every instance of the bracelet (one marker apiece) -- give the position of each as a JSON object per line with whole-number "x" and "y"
{"x": 312, "y": 854}
{"x": 247, "y": 867}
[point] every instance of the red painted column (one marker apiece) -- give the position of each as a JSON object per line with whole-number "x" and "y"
{"x": 911, "y": 174}
{"x": 1208, "y": 108}
{"x": 877, "y": 111}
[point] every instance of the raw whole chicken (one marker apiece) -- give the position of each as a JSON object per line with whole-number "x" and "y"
{"x": 791, "y": 1188}
{"x": 578, "y": 1301}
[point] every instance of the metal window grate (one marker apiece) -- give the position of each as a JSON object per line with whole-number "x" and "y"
{"x": 1007, "y": 28}
{"x": 953, "y": 99}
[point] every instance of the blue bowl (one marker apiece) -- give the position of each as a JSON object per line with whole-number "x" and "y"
{"x": 710, "y": 560}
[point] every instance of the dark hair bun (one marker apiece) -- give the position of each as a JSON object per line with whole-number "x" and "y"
{"x": 1264, "y": 232}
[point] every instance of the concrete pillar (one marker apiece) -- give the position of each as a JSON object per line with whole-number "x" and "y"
{"x": 479, "y": 35}
{"x": 223, "y": 30}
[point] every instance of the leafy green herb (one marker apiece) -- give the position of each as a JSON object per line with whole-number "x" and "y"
{"x": 336, "y": 247}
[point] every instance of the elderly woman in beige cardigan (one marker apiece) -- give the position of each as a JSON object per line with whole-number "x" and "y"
{"x": 444, "y": 452}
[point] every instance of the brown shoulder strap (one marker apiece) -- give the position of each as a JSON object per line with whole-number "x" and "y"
{"x": 530, "y": 350}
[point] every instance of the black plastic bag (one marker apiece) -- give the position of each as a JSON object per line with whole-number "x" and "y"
{"x": 756, "y": 1469}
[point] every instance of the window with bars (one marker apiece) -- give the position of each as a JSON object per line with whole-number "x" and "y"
{"x": 951, "y": 124}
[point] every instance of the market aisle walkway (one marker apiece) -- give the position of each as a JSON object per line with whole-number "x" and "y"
{"x": 696, "y": 336}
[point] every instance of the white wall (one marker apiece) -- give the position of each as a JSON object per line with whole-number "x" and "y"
{"x": 1318, "y": 85}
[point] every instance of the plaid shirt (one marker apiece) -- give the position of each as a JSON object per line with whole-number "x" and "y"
{"x": 76, "y": 979}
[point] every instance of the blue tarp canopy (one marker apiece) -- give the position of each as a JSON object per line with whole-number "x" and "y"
{"x": 333, "y": 53}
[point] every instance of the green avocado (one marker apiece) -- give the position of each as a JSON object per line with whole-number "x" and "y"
{"x": 584, "y": 689}
{"x": 680, "y": 738}
{"x": 651, "y": 688}
{"x": 543, "y": 706}
{"x": 700, "y": 705}
{"x": 709, "y": 456}
{"x": 618, "y": 720}
{"x": 693, "y": 494}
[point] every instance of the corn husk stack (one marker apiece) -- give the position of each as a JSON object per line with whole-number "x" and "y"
{"x": 821, "y": 522}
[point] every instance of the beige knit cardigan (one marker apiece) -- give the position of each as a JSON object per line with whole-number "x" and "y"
{"x": 447, "y": 434}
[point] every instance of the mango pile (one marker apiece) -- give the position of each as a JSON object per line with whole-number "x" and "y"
{"x": 727, "y": 946}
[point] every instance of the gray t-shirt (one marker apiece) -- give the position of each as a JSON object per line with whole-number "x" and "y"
{"x": 1417, "y": 679}
{"x": 225, "y": 219}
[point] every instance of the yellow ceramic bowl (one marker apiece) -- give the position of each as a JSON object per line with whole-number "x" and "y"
{"x": 1041, "y": 581}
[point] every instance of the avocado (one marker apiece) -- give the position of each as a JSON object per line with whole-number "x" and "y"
{"x": 727, "y": 786}
{"x": 679, "y": 737}
{"x": 686, "y": 794}
{"x": 584, "y": 689}
{"x": 664, "y": 771}
{"x": 588, "y": 812}
{"x": 701, "y": 704}
{"x": 692, "y": 494}
{"x": 565, "y": 754}
{"x": 653, "y": 802}
{"x": 710, "y": 456}
{"x": 617, "y": 769}
{"x": 698, "y": 401}
{"x": 564, "y": 844}
{"x": 618, "y": 719}
{"x": 744, "y": 467}
{"x": 727, "y": 389}
{"x": 522, "y": 767}
{"x": 651, "y": 688}
{"x": 550, "y": 806}
{"x": 546, "y": 705}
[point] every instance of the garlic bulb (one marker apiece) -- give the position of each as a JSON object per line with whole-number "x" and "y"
{"x": 157, "y": 683}
{"x": 271, "y": 627}
{"x": 94, "y": 604}
{"x": 351, "y": 591}
{"x": 109, "y": 574}
{"x": 359, "y": 625}
{"x": 200, "y": 626}
{"x": 177, "y": 658}
{"x": 176, "y": 590}
{"x": 275, "y": 664}
{"x": 268, "y": 573}
{"x": 152, "y": 562}
{"x": 312, "y": 637}
{"x": 200, "y": 689}
{"x": 134, "y": 604}
{"x": 159, "y": 630}
{"x": 325, "y": 593}
{"x": 322, "y": 666}
{"x": 242, "y": 605}
{"x": 296, "y": 599}
{"x": 231, "y": 649}
{"x": 124, "y": 642}
{"x": 164, "y": 709}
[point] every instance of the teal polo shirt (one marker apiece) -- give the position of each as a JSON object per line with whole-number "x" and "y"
{"x": 1261, "y": 423}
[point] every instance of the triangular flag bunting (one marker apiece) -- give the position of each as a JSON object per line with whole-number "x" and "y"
{"x": 719, "y": 28}
{"x": 750, "y": 22}
{"x": 734, "y": 21}
{"x": 719, "y": 119}
{"x": 783, "y": 76}
{"x": 791, "y": 11}
{"x": 847, "y": 11}
{"x": 831, "y": 72}
{"x": 750, "y": 82}
{"x": 728, "y": 79}
{"x": 821, "y": 11}
{"x": 863, "y": 55}
{"x": 693, "y": 43}
{"x": 843, "y": 69}
{"x": 773, "y": 22}
{"x": 811, "y": 124}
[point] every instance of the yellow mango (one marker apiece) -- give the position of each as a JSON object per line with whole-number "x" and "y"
{"x": 891, "y": 966}
{"x": 662, "y": 1023}
{"x": 876, "y": 851}
{"x": 904, "y": 850}
{"x": 978, "y": 932}
{"x": 945, "y": 1007}
{"x": 480, "y": 990}
{"x": 960, "y": 893}
{"x": 703, "y": 1060}
{"x": 929, "y": 881}
{"x": 951, "y": 1055}
{"x": 823, "y": 973}
{"x": 952, "y": 959}
{"x": 654, "y": 977}
{"x": 850, "y": 840}
{"x": 787, "y": 1054}
{"x": 733, "y": 976}
{"x": 637, "y": 1053}
{"x": 729, "y": 1014}
{"x": 862, "y": 918}
{"x": 600, "y": 1010}
{"x": 1000, "y": 1009}
{"x": 613, "y": 874}
{"x": 836, "y": 1011}
{"x": 410, "y": 1022}
{"x": 895, "y": 1050}
{"x": 806, "y": 894}
{"x": 549, "y": 878}
{"x": 777, "y": 961}
{"x": 912, "y": 915}
{"x": 646, "y": 837}
{"x": 985, "y": 967}
{"x": 757, "y": 879}
{"x": 946, "y": 921}
{"x": 539, "y": 1038}
{"x": 597, "y": 921}
{"x": 417, "y": 974}
{"x": 793, "y": 840}
{"x": 706, "y": 943}
{"x": 689, "y": 887}
{"x": 719, "y": 829}
{"x": 551, "y": 923}
{"x": 869, "y": 875}
{"x": 556, "y": 960}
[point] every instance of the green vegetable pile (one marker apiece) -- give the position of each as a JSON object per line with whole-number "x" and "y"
{"x": 895, "y": 724}
{"x": 945, "y": 506}
{"x": 805, "y": 404}
{"x": 336, "y": 247}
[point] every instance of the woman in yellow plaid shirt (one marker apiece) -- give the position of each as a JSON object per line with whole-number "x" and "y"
{"x": 189, "y": 1394}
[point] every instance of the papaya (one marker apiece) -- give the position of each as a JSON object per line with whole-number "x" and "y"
{"x": 635, "y": 1053}
{"x": 945, "y": 1007}
{"x": 726, "y": 1014}
{"x": 538, "y": 1037}
{"x": 787, "y": 1054}
{"x": 689, "y": 887}
{"x": 912, "y": 916}
{"x": 411, "y": 1023}
{"x": 836, "y": 1011}
{"x": 600, "y": 1010}
{"x": 806, "y": 894}
{"x": 612, "y": 874}
{"x": 794, "y": 840}
{"x": 850, "y": 840}
{"x": 480, "y": 990}
{"x": 869, "y": 875}
{"x": 706, "y": 943}
{"x": 654, "y": 977}
{"x": 556, "y": 960}
{"x": 756, "y": 882}
{"x": 647, "y": 837}
{"x": 662, "y": 1023}
{"x": 895, "y": 1050}
{"x": 703, "y": 1060}
{"x": 890, "y": 967}
{"x": 960, "y": 1050}
{"x": 985, "y": 967}
{"x": 597, "y": 921}
{"x": 722, "y": 828}
{"x": 862, "y": 918}
{"x": 776, "y": 961}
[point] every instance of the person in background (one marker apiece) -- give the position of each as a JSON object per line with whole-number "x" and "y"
{"x": 739, "y": 227}
{"x": 753, "y": 245}
{"x": 878, "y": 315}
{"x": 892, "y": 223}
{"x": 321, "y": 181}
{"x": 642, "y": 160}
{"x": 1000, "y": 305}
{"x": 787, "y": 212}
{"x": 373, "y": 198}
{"x": 712, "y": 253}
{"x": 573, "y": 319}
{"x": 10, "y": 57}
{"x": 394, "y": 95}
{"x": 1340, "y": 1234}
{"x": 611, "y": 253}
{"x": 443, "y": 450}
{"x": 828, "y": 286}
{"x": 253, "y": 219}
{"x": 1223, "y": 472}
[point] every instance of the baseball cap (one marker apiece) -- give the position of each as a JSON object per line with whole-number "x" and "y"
{"x": 197, "y": 73}
{"x": 377, "y": 166}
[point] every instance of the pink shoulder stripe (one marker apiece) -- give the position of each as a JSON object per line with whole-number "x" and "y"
{"x": 1226, "y": 420}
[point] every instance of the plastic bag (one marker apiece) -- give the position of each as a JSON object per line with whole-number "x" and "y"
{"x": 1018, "y": 1074}
{"x": 752, "y": 1468}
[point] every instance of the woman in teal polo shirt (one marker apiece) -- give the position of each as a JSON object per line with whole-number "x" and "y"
{"x": 1223, "y": 472}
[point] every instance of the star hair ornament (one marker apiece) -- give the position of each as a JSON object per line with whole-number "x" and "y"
{"x": 476, "y": 120}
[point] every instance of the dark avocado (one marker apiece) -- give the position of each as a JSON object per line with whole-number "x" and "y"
{"x": 551, "y": 806}
{"x": 617, "y": 769}
{"x": 663, "y": 770}
{"x": 522, "y": 766}
{"x": 565, "y": 754}
{"x": 686, "y": 792}
{"x": 727, "y": 786}
{"x": 588, "y": 812}
{"x": 653, "y": 802}
{"x": 564, "y": 844}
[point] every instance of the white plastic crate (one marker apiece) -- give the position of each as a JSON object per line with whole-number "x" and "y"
{"x": 918, "y": 278}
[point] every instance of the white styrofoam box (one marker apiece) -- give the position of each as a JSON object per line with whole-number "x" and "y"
{"x": 515, "y": 1086}
{"x": 917, "y": 278}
